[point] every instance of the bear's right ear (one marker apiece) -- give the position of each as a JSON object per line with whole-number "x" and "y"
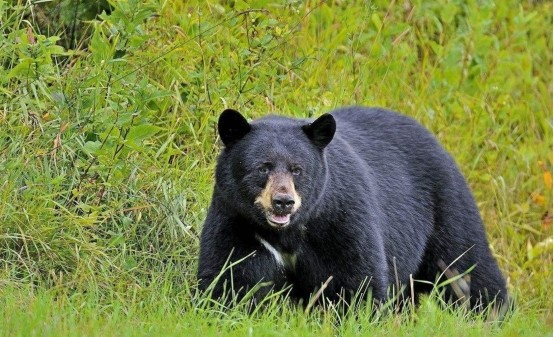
{"x": 232, "y": 126}
{"x": 321, "y": 131}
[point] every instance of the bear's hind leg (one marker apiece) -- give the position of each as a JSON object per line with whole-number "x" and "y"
{"x": 459, "y": 245}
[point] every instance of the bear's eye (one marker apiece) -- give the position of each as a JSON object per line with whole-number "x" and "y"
{"x": 296, "y": 171}
{"x": 264, "y": 169}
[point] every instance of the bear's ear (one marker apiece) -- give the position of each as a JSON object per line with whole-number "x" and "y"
{"x": 321, "y": 131}
{"x": 232, "y": 126}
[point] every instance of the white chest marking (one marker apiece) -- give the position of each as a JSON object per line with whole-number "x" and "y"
{"x": 276, "y": 254}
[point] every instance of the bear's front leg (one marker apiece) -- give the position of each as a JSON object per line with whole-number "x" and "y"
{"x": 241, "y": 272}
{"x": 350, "y": 250}
{"x": 233, "y": 263}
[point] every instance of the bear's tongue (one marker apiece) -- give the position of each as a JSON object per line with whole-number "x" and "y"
{"x": 280, "y": 219}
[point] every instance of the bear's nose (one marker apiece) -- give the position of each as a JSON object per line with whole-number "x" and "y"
{"x": 282, "y": 203}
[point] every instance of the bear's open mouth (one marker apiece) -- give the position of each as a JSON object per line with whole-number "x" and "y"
{"x": 278, "y": 220}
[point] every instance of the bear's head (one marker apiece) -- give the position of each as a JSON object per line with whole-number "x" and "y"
{"x": 272, "y": 171}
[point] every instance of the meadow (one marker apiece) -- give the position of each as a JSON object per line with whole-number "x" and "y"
{"x": 108, "y": 144}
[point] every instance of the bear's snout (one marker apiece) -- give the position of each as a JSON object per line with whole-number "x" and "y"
{"x": 279, "y": 199}
{"x": 282, "y": 203}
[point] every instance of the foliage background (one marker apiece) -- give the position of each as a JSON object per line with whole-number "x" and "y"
{"x": 108, "y": 143}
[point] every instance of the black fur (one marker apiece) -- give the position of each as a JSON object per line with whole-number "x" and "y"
{"x": 381, "y": 200}
{"x": 232, "y": 127}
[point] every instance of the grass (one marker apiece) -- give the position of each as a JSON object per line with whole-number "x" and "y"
{"x": 107, "y": 152}
{"x": 46, "y": 314}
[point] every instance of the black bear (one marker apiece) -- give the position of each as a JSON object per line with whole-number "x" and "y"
{"x": 358, "y": 196}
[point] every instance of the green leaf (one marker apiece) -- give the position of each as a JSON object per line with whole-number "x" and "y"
{"x": 92, "y": 147}
{"x": 22, "y": 69}
{"x": 142, "y": 132}
{"x": 376, "y": 21}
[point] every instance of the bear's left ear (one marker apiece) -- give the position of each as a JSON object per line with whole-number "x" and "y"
{"x": 232, "y": 126}
{"x": 321, "y": 131}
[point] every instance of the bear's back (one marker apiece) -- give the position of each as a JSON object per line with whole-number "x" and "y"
{"x": 386, "y": 140}
{"x": 383, "y": 126}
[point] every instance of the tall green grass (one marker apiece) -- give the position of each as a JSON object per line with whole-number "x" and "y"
{"x": 107, "y": 152}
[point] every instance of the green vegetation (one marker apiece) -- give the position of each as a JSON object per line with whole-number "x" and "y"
{"x": 107, "y": 150}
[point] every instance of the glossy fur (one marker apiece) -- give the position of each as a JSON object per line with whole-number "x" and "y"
{"x": 381, "y": 200}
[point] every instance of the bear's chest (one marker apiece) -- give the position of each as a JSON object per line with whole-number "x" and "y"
{"x": 284, "y": 258}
